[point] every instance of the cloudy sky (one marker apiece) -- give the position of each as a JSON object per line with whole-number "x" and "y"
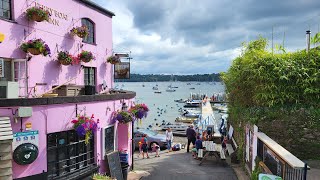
{"x": 196, "y": 37}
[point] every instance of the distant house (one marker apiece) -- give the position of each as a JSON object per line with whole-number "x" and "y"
{"x": 37, "y": 139}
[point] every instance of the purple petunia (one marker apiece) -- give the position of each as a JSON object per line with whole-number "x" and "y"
{"x": 81, "y": 131}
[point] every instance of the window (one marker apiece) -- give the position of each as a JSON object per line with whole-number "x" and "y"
{"x": 90, "y": 38}
{"x": 67, "y": 154}
{"x": 90, "y": 76}
{"x": 5, "y": 9}
{"x": 14, "y": 70}
{"x": 109, "y": 142}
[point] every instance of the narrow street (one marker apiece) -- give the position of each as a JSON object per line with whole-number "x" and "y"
{"x": 180, "y": 165}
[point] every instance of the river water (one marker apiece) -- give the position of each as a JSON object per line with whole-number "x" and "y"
{"x": 165, "y": 100}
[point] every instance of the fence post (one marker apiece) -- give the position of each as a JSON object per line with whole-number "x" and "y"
{"x": 305, "y": 171}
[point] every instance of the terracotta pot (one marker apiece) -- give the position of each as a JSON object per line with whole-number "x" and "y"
{"x": 63, "y": 62}
{"x": 34, "y": 51}
{"x": 37, "y": 18}
{"x": 85, "y": 60}
{"x": 81, "y": 36}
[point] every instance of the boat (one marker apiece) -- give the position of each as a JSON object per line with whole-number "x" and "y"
{"x": 185, "y": 120}
{"x": 190, "y": 114}
{"x": 192, "y": 103}
{"x": 157, "y": 92}
{"x": 175, "y": 126}
{"x": 180, "y": 100}
{"x": 155, "y": 88}
{"x": 169, "y": 89}
{"x": 198, "y": 84}
{"x": 192, "y": 88}
{"x": 188, "y": 83}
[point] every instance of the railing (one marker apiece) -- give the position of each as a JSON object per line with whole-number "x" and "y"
{"x": 279, "y": 161}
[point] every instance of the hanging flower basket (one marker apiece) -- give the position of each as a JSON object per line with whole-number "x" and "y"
{"x": 86, "y": 56}
{"x": 113, "y": 59}
{"x": 85, "y": 126}
{"x": 34, "y": 51}
{"x": 139, "y": 111}
{"x": 37, "y": 14}
{"x": 65, "y": 58}
{"x": 81, "y": 32}
{"x": 36, "y": 47}
{"x": 123, "y": 117}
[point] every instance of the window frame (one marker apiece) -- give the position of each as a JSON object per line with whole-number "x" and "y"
{"x": 87, "y": 80}
{"x": 83, "y": 156}
{"x": 85, "y": 40}
{"x": 115, "y": 140}
{"x": 10, "y": 10}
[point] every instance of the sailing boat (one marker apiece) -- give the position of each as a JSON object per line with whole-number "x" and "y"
{"x": 170, "y": 89}
{"x": 155, "y": 87}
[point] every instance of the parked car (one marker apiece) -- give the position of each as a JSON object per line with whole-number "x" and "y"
{"x": 152, "y": 136}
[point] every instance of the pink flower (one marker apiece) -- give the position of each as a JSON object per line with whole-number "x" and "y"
{"x": 74, "y": 121}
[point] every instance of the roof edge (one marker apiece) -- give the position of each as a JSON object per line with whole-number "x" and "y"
{"x": 97, "y": 7}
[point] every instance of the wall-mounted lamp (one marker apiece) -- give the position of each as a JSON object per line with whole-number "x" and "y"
{"x": 124, "y": 107}
{"x": 2, "y": 36}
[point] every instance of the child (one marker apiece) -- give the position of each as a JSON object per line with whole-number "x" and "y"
{"x": 156, "y": 148}
{"x": 140, "y": 149}
{"x": 198, "y": 145}
{"x": 144, "y": 146}
{"x": 224, "y": 143}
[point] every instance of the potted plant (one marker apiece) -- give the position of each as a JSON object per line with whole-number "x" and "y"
{"x": 113, "y": 59}
{"x": 98, "y": 176}
{"x": 85, "y": 126}
{"x": 123, "y": 117}
{"x": 81, "y": 31}
{"x": 37, "y": 14}
{"x": 65, "y": 58}
{"x": 36, "y": 47}
{"x": 139, "y": 111}
{"x": 86, "y": 56}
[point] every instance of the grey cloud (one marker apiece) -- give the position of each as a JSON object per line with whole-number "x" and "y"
{"x": 216, "y": 26}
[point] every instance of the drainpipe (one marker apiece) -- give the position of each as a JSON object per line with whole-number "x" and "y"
{"x": 27, "y": 75}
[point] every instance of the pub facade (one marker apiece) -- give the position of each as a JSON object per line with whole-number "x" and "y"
{"x": 53, "y": 72}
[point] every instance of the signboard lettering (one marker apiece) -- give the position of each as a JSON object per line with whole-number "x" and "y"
{"x": 54, "y": 14}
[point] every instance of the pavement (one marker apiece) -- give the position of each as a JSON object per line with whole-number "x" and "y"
{"x": 180, "y": 165}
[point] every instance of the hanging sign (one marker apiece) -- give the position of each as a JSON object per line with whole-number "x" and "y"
{"x": 122, "y": 70}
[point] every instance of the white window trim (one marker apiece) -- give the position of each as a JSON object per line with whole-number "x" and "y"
{"x": 115, "y": 140}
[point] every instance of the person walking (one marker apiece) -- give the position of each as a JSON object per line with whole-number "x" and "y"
{"x": 191, "y": 135}
{"x": 169, "y": 138}
{"x": 144, "y": 146}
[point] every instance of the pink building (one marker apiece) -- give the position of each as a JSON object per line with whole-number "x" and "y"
{"x": 37, "y": 140}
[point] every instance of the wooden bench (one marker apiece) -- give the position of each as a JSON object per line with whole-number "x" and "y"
{"x": 222, "y": 155}
{"x": 232, "y": 149}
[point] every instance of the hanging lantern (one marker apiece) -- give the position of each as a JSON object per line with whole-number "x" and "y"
{"x": 2, "y": 36}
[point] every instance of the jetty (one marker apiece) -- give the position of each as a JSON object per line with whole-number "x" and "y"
{"x": 207, "y": 120}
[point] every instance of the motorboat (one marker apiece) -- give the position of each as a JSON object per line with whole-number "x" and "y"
{"x": 180, "y": 100}
{"x": 192, "y": 103}
{"x": 192, "y": 88}
{"x": 155, "y": 88}
{"x": 188, "y": 83}
{"x": 170, "y": 89}
{"x": 190, "y": 114}
{"x": 157, "y": 92}
{"x": 175, "y": 126}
